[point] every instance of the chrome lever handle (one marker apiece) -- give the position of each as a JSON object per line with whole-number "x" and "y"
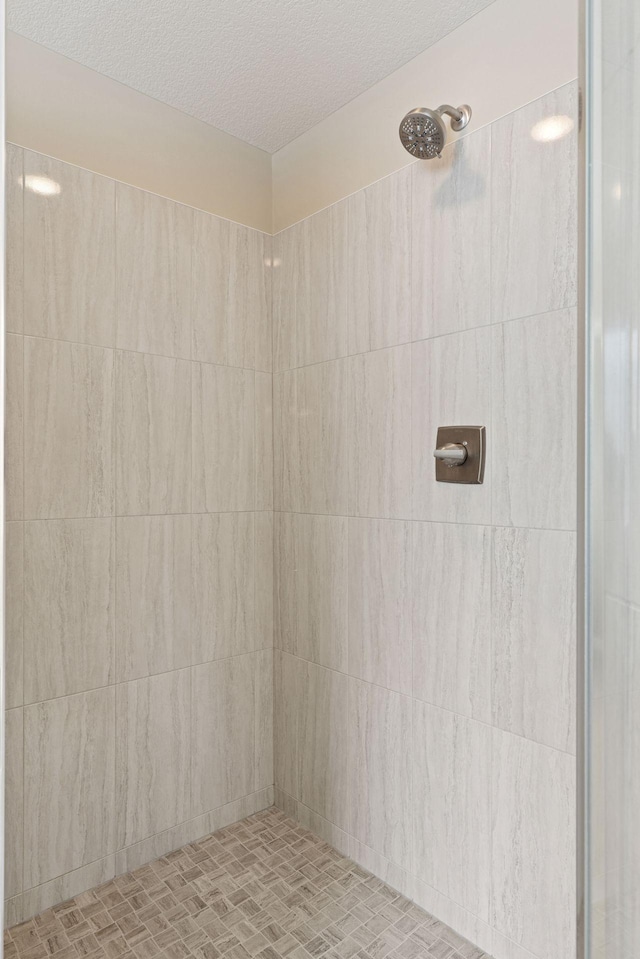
{"x": 451, "y": 454}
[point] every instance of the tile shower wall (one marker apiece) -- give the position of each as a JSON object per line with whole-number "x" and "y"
{"x": 140, "y": 528}
{"x": 425, "y": 633}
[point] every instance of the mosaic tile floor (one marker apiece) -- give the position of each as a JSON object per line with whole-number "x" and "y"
{"x": 263, "y": 887}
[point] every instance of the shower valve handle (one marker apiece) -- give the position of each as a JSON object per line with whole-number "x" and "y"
{"x": 452, "y": 454}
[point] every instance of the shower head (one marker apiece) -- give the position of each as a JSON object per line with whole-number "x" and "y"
{"x": 422, "y": 131}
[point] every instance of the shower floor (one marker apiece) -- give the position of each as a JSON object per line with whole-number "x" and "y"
{"x": 263, "y": 887}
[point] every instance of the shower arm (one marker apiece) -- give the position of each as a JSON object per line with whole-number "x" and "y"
{"x": 450, "y": 111}
{"x": 460, "y": 116}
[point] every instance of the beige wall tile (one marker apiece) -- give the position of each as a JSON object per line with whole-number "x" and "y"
{"x": 534, "y": 211}
{"x": 451, "y": 386}
{"x": 285, "y": 429}
{"x": 264, "y": 718}
{"x": 222, "y": 732}
{"x": 286, "y": 252}
{"x": 534, "y": 417}
{"x": 450, "y": 251}
{"x": 223, "y": 578}
{"x": 320, "y": 286}
{"x": 69, "y": 253}
{"x": 380, "y": 602}
{"x": 452, "y": 617}
{"x": 264, "y": 441}
{"x": 14, "y": 237}
{"x": 311, "y": 587}
{"x": 379, "y": 277}
{"x": 380, "y": 755}
{"x": 224, "y": 454}
{"x": 264, "y": 580}
{"x": 264, "y": 321}
{"x": 14, "y": 424}
{"x": 153, "y": 434}
{"x": 231, "y": 292}
{"x": 69, "y": 600}
{"x": 451, "y": 806}
{"x": 310, "y": 439}
{"x": 323, "y": 749}
{"x": 153, "y": 577}
{"x": 288, "y": 688}
{"x": 533, "y": 635}
{"x": 68, "y": 430}
{"x": 13, "y": 802}
{"x": 152, "y": 755}
{"x": 153, "y": 273}
{"x": 380, "y": 433}
{"x": 14, "y": 614}
{"x": 68, "y": 741}
{"x": 533, "y": 861}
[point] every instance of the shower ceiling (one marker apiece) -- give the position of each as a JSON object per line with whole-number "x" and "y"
{"x": 262, "y": 71}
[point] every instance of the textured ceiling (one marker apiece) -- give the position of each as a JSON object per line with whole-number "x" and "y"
{"x": 262, "y": 70}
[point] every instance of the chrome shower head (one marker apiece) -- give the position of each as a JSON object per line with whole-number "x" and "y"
{"x": 422, "y": 131}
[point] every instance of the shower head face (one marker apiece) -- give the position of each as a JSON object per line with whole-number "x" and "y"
{"x": 422, "y": 133}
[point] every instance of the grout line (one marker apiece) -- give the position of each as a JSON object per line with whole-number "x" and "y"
{"x": 446, "y": 709}
{"x": 141, "y": 679}
{"x": 425, "y": 522}
{"x": 118, "y": 349}
{"x": 428, "y": 339}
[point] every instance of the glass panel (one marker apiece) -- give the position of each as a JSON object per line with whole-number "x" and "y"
{"x": 613, "y": 578}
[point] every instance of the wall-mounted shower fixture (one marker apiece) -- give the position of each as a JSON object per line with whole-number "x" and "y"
{"x": 423, "y": 133}
{"x": 460, "y": 454}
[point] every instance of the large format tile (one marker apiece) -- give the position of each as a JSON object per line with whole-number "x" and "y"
{"x": 310, "y": 439}
{"x": 286, "y": 253}
{"x": 451, "y": 385}
{"x": 534, "y": 635}
{"x": 320, "y": 285}
{"x": 14, "y": 614}
{"x": 68, "y": 430}
{"x": 68, "y": 742}
{"x": 153, "y": 576}
{"x": 153, "y": 434}
{"x": 533, "y": 835}
{"x": 322, "y": 748}
{"x": 534, "y": 210}
{"x": 69, "y": 253}
{"x": 264, "y": 718}
{"x": 264, "y": 589}
{"x": 534, "y": 421}
{"x": 224, "y": 424}
{"x": 380, "y": 602}
{"x": 231, "y": 292}
{"x": 451, "y": 806}
{"x": 152, "y": 755}
{"x": 379, "y": 275}
{"x": 380, "y": 433}
{"x": 288, "y": 681}
{"x": 311, "y": 587}
{"x": 69, "y": 598}
{"x": 14, "y": 180}
{"x": 222, "y": 732}
{"x": 13, "y": 802}
{"x": 450, "y": 255}
{"x": 380, "y": 756}
{"x": 13, "y": 427}
{"x": 451, "y": 617}
{"x": 153, "y": 273}
{"x": 223, "y": 585}
{"x": 264, "y": 441}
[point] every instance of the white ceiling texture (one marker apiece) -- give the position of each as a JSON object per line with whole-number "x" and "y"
{"x": 263, "y": 70}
